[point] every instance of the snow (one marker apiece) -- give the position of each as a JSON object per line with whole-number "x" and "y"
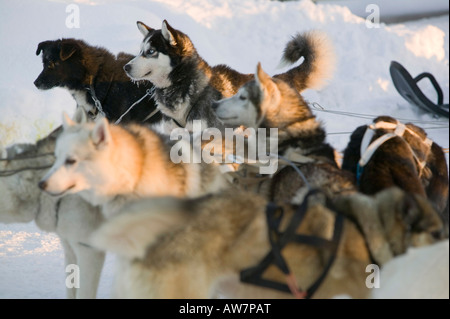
{"x": 235, "y": 32}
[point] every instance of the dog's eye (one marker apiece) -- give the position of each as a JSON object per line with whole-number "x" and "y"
{"x": 70, "y": 161}
{"x": 242, "y": 97}
{"x": 51, "y": 65}
{"x": 150, "y": 52}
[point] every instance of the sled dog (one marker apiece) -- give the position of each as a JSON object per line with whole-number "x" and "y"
{"x": 195, "y": 248}
{"x": 266, "y": 102}
{"x": 96, "y": 80}
{"x": 186, "y": 85}
{"x": 407, "y": 159}
{"x": 109, "y": 164}
{"x": 71, "y": 217}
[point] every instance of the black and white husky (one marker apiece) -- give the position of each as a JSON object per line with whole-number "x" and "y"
{"x": 186, "y": 85}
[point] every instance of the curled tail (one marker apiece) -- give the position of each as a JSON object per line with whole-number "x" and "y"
{"x": 319, "y": 60}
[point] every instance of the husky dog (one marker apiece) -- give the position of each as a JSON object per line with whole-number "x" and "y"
{"x": 71, "y": 218}
{"x": 410, "y": 161}
{"x": 186, "y": 85}
{"x": 267, "y": 102}
{"x": 96, "y": 79}
{"x": 110, "y": 164}
{"x": 194, "y": 248}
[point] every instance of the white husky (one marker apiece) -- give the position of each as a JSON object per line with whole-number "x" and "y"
{"x": 71, "y": 218}
{"x": 111, "y": 164}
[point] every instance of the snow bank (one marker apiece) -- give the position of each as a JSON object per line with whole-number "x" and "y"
{"x": 420, "y": 273}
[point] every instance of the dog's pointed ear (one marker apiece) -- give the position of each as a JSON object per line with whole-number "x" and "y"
{"x": 168, "y": 33}
{"x": 42, "y": 46}
{"x": 261, "y": 77}
{"x": 265, "y": 82}
{"x": 67, "y": 50}
{"x": 80, "y": 116}
{"x": 67, "y": 121}
{"x": 145, "y": 29}
{"x": 101, "y": 136}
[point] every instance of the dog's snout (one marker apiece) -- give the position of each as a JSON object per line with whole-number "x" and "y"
{"x": 127, "y": 67}
{"x": 42, "y": 185}
{"x": 37, "y": 82}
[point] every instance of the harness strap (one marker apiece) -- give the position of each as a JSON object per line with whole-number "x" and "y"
{"x": 368, "y": 149}
{"x": 393, "y": 126}
{"x": 279, "y": 240}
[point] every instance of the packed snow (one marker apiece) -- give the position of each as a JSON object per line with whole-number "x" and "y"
{"x": 239, "y": 33}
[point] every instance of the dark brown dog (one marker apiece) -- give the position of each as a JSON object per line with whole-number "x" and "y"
{"x": 396, "y": 163}
{"x": 91, "y": 73}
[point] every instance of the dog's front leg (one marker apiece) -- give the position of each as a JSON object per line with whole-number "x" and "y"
{"x": 90, "y": 262}
{"x": 69, "y": 259}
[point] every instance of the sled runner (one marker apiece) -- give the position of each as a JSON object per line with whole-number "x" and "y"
{"x": 406, "y": 85}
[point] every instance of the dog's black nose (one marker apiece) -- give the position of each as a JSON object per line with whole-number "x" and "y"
{"x": 214, "y": 105}
{"x": 42, "y": 185}
{"x": 37, "y": 83}
{"x": 127, "y": 67}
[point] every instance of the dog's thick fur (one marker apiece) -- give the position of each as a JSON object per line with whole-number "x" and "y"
{"x": 75, "y": 65}
{"x": 186, "y": 85}
{"x": 181, "y": 248}
{"x": 267, "y": 102}
{"x": 110, "y": 164}
{"x": 393, "y": 164}
{"x": 71, "y": 218}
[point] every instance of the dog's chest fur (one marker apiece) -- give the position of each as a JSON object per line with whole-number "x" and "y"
{"x": 82, "y": 100}
{"x": 189, "y": 97}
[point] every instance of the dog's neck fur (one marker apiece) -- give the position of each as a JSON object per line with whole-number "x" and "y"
{"x": 297, "y": 127}
{"x": 140, "y": 167}
{"x": 190, "y": 89}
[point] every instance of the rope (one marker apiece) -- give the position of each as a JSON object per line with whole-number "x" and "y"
{"x": 26, "y": 157}
{"x": 299, "y": 172}
{"x": 10, "y": 172}
{"x": 320, "y": 108}
{"x": 147, "y": 93}
{"x": 15, "y": 171}
{"x": 440, "y": 124}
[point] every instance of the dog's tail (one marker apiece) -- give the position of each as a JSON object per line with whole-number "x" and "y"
{"x": 319, "y": 60}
